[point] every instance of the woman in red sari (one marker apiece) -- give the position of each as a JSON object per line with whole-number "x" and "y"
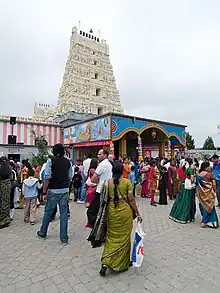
{"x": 144, "y": 170}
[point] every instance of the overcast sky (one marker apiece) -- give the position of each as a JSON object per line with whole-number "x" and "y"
{"x": 165, "y": 55}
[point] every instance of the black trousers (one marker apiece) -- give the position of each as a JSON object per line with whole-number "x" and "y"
{"x": 93, "y": 209}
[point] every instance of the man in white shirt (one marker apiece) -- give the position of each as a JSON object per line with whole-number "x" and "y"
{"x": 86, "y": 165}
{"x": 102, "y": 173}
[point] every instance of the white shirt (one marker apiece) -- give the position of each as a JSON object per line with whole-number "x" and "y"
{"x": 104, "y": 171}
{"x": 167, "y": 165}
{"x": 182, "y": 162}
{"x": 86, "y": 165}
{"x": 41, "y": 171}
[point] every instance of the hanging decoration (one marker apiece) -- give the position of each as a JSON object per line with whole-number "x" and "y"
{"x": 140, "y": 152}
{"x": 154, "y": 134}
{"x": 112, "y": 149}
{"x": 169, "y": 149}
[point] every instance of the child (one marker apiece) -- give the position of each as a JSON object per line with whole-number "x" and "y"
{"x": 132, "y": 178}
{"x": 30, "y": 188}
{"x": 77, "y": 183}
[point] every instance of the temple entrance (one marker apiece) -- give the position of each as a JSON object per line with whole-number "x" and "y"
{"x": 131, "y": 144}
{"x": 153, "y": 142}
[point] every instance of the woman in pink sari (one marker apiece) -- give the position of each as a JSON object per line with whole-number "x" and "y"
{"x": 144, "y": 170}
{"x": 90, "y": 186}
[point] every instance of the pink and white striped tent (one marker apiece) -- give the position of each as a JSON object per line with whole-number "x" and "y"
{"x": 22, "y": 129}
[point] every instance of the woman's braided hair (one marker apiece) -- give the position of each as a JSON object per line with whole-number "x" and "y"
{"x": 117, "y": 173}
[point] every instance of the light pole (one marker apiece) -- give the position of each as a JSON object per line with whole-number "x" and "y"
{"x": 218, "y": 127}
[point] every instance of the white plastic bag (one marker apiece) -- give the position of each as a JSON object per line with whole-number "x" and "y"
{"x": 138, "y": 247}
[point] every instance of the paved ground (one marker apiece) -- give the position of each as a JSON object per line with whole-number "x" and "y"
{"x": 178, "y": 258}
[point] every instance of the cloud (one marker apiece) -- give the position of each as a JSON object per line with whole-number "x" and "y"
{"x": 165, "y": 56}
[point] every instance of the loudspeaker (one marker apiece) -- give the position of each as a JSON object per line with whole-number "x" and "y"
{"x": 12, "y": 120}
{"x": 12, "y": 139}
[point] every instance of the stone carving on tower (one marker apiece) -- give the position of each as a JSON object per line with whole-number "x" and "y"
{"x": 88, "y": 83}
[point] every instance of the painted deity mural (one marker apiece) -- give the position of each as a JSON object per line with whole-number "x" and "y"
{"x": 94, "y": 130}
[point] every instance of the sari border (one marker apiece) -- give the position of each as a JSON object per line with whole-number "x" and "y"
{"x": 179, "y": 221}
{"x": 116, "y": 251}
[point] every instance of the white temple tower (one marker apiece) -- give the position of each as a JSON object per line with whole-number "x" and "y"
{"x": 88, "y": 83}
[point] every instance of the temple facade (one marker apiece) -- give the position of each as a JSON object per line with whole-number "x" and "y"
{"x": 88, "y": 83}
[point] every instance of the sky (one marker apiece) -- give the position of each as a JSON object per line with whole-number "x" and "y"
{"x": 165, "y": 55}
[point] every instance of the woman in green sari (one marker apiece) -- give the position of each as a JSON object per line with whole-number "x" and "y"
{"x": 5, "y": 191}
{"x": 120, "y": 211}
{"x": 184, "y": 208}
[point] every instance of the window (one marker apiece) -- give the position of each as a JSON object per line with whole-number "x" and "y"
{"x": 98, "y": 92}
{"x": 93, "y": 52}
{"x": 95, "y": 62}
{"x": 100, "y": 110}
{"x": 96, "y": 75}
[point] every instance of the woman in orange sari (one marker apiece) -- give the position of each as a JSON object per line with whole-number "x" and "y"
{"x": 153, "y": 180}
{"x": 126, "y": 168}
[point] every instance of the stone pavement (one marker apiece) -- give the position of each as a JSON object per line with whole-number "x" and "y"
{"x": 178, "y": 258}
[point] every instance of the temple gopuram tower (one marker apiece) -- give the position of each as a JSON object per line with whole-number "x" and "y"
{"x": 88, "y": 83}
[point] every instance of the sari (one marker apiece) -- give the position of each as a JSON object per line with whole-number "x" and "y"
{"x": 90, "y": 188}
{"x": 184, "y": 208}
{"x": 126, "y": 170}
{"x": 97, "y": 235}
{"x": 206, "y": 196}
{"x": 117, "y": 249}
{"x": 145, "y": 177}
{"x": 113, "y": 227}
{"x": 24, "y": 175}
{"x": 182, "y": 177}
{"x": 5, "y": 192}
{"x": 172, "y": 182}
{"x": 163, "y": 186}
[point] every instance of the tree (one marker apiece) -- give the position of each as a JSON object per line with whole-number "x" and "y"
{"x": 43, "y": 151}
{"x": 209, "y": 144}
{"x": 190, "y": 142}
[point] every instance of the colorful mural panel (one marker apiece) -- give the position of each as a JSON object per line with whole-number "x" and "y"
{"x": 69, "y": 135}
{"x": 95, "y": 130}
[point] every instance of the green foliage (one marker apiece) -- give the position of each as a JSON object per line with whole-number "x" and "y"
{"x": 43, "y": 151}
{"x": 209, "y": 144}
{"x": 190, "y": 142}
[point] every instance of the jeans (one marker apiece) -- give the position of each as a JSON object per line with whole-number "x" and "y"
{"x": 83, "y": 190}
{"x": 218, "y": 191}
{"x": 52, "y": 200}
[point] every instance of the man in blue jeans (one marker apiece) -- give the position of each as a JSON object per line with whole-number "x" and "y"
{"x": 57, "y": 177}
{"x": 216, "y": 171}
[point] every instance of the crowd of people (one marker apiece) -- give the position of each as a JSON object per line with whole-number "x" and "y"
{"x": 108, "y": 189}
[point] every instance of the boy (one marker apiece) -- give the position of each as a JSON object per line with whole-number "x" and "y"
{"x": 132, "y": 178}
{"x": 77, "y": 183}
{"x": 30, "y": 188}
